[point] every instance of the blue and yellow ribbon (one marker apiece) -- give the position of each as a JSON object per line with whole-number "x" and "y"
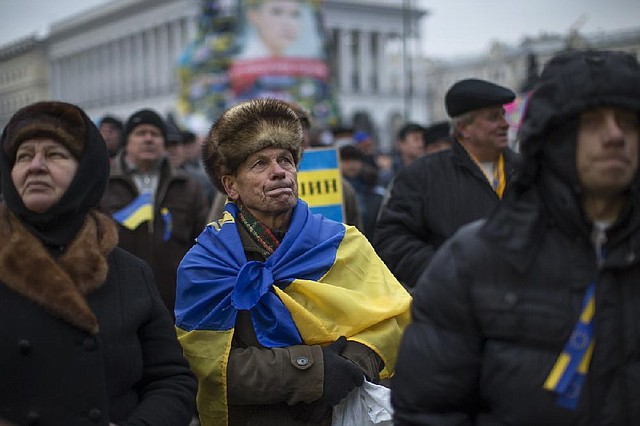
{"x": 136, "y": 212}
{"x": 168, "y": 223}
{"x": 568, "y": 373}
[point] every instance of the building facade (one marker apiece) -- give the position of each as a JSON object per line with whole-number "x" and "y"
{"x": 511, "y": 66}
{"x": 122, "y": 56}
{"x": 23, "y": 75}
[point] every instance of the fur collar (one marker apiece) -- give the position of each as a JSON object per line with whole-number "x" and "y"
{"x": 59, "y": 286}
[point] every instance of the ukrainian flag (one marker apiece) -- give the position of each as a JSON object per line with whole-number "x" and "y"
{"x": 136, "y": 212}
{"x": 324, "y": 281}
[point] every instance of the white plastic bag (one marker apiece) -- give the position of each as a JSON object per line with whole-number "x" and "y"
{"x": 369, "y": 404}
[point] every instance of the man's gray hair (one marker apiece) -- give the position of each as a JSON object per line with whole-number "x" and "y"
{"x": 461, "y": 119}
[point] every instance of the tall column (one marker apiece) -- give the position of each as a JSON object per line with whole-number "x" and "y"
{"x": 164, "y": 63}
{"x": 344, "y": 60}
{"x": 138, "y": 62}
{"x": 151, "y": 63}
{"x": 56, "y": 83}
{"x": 379, "y": 62}
{"x": 115, "y": 73}
{"x": 364, "y": 61}
{"x": 127, "y": 76}
{"x": 176, "y": 47}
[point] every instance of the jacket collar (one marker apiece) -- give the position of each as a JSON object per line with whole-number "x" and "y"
{"x": 518, "y": 225}
{"x": 60, "y": 285}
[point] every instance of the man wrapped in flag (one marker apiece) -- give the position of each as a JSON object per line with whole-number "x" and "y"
{"x": 532, "y": 316}
{"x": 281, "y": 313}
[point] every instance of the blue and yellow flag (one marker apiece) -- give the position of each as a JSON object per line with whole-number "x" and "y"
{"x": 323, "y": 281}
{"x": 136, "y": 212}
{"x": 320, "y": 184}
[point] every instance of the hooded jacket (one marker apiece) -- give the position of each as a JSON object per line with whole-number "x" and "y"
{"x": 500, "y": 299}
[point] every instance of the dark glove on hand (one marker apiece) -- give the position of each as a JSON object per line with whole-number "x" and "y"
{"x": 340, "y": 377}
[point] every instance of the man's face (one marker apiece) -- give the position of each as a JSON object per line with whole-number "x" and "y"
{"x": 412, "y": 146}
{"x": 111, "y": 135}
{"x": 488, "y": 131}
{"x": 607, "y": 150}
{"x": 145, "y": 145}
{"x": 175, "y": 153}
{"x": 350, "y": 168}
{"x": 266, "y": 183}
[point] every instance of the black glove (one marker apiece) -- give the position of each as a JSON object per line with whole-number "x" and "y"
{"x": 340, "y": 377}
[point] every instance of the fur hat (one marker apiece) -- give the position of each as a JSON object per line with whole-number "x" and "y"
{"x": 58, "y": 120}
{"x": 144, "y": 116}
{"x": 245, "y": 129}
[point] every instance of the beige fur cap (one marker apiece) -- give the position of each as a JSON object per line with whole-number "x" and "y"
{"x": 245, "y": 129}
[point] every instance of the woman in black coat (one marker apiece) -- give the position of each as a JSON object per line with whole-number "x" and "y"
{"x": 85, "y": 337}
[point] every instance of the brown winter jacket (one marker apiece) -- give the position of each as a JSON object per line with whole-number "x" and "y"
{"x": 264, "y": 384}
{"x": 183, "y": 197}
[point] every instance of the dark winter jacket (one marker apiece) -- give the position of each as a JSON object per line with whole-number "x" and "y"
{"x": 184, "y": 199}
{"x": 86, "y": 339}
{"x": 495, "y": 308}
{"x": 430, "y": 200}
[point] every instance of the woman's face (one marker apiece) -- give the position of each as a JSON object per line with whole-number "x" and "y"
{"x": 277, "y": 22}
{"x": 42, "y": 172}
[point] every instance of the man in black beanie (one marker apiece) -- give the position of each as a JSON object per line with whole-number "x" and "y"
{"x": 160, "y": 210}
{"x": 438, "y": 193}
{"x": 531, "y": 317}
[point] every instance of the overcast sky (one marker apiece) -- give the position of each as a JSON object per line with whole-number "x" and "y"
{"x": 453, "y": 27}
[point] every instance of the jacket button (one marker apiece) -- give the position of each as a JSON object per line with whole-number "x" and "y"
{"x": 89, "y": 344}
{"x": 95, "y": 415}
{"x": 24, "y": 346}
{"x": 302, "y": 361}
{"x": 33, "y": 418}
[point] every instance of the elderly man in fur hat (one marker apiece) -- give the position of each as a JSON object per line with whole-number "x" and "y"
{"x": 280, "y": 312}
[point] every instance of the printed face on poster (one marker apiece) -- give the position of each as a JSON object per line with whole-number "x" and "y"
{"x": 279, "y": 28}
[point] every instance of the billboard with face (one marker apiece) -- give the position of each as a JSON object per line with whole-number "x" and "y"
{"x": 256, "y": 48}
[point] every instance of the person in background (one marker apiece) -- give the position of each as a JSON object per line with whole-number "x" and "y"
{"x": 349, "y": 197}
{"x": 437, "y": 137}
{"x": 192, "y": 147}
{"x": 531, "y": 317}
{"x": 174, "y": 146}
{"x": 111, "y": 131}
{"x": 410, "y": 144}
{"x": 159, "y": 210}
{"x": 280, "y": 312}
{"x": 440, "y": 192}
{"x": 86, "y": 338}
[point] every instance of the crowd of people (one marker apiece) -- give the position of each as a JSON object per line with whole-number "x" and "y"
{"x": 152, "y": 276}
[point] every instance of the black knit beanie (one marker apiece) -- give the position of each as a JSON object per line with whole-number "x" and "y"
{"x": 144, "y": 116}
